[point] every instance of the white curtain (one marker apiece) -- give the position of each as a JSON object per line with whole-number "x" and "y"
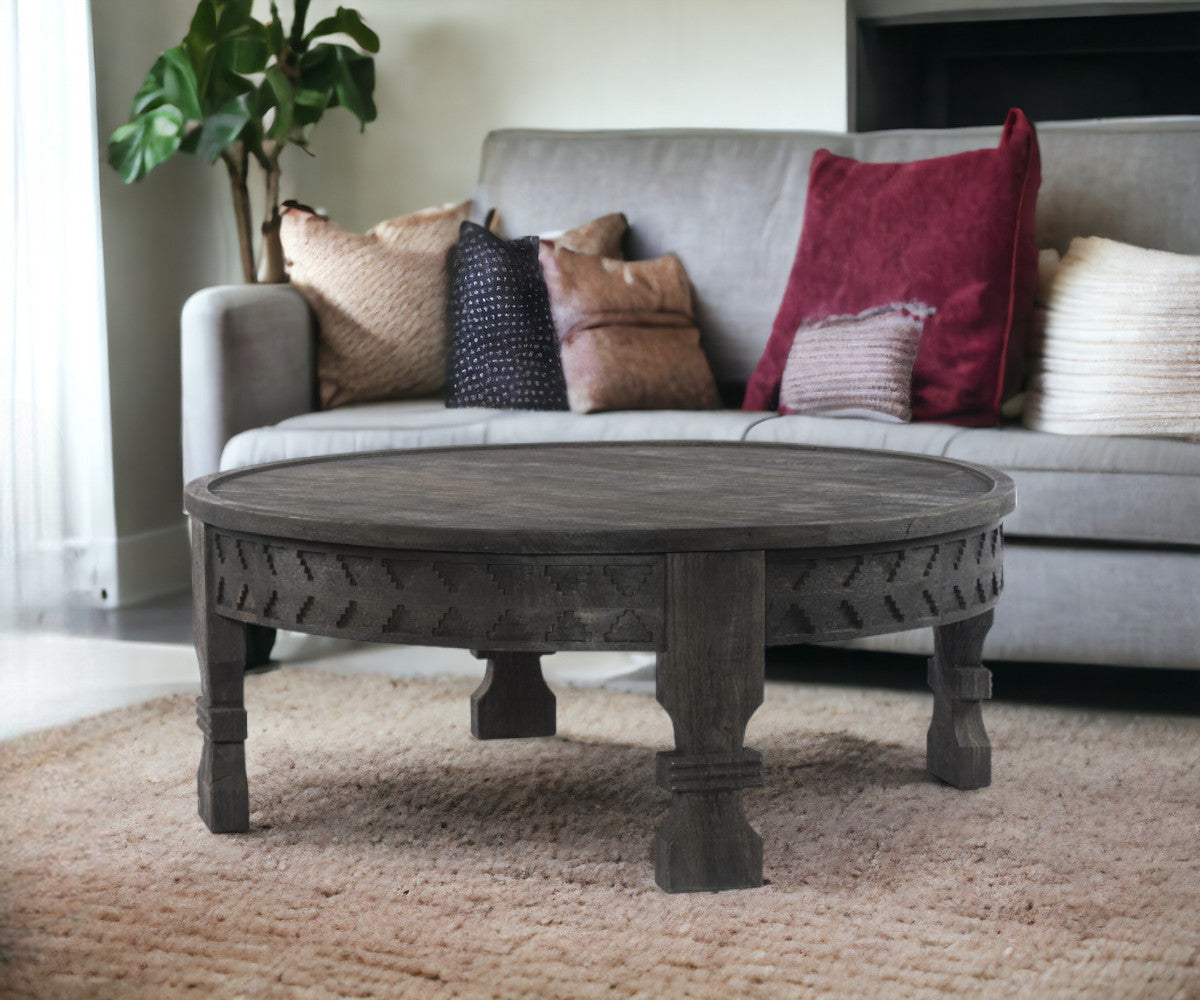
{"x": 57, "y": 526}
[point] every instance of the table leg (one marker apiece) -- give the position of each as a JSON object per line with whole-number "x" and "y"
{"x": 260, "y": 640}
{"x": 222, "y": 790}
{"x": 958, "y": 750}
{"x": 710, "y": 681}
{"x": 513, "y": 700}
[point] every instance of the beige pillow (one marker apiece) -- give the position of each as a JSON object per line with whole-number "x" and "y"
{"x": 379, "y": 298}
{"x": 601, "y": 236}
{"x": 626, "y": 333}
{"x": 855, "y": 366}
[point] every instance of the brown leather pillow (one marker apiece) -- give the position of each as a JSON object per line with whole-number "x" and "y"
{"x": 379, "y": 298}
{"x": 626, "y": 333}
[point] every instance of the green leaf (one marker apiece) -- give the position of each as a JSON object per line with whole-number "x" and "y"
{"x": 200, "y": 43}
{"x": 310, "y": 106}
{"x": 316, "y": 84}
{"x": 282, "y": 98}
{"x": 346, "y": 22}
{"x": 356, "y": 85}
{"x": 203, "y": 29}
{"x": 226, "y": 85}
{"x": 171, "y": 82}
{"x": 275, "y": 32}
{"x": 150, "y": 139}
{"x": 233, "y": 13}
{"x": 221, "y": 129}
{"x": 317, "y": 68}
{"x": 224, "y": 42}
{"x": 346, "y": 76}
{"x": 299, "y": 16}
{"x": 231, "y": 73}
{"x": 241, "y": 40}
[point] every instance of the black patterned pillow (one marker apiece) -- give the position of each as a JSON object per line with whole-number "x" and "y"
{"x": 502, "y": 351}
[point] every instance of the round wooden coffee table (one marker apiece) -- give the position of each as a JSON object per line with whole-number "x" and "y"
{"x": 704, "y": 552}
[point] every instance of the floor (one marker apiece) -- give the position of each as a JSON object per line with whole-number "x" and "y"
{"x": 55, "y": 668}
{"x": 64, "y": 666}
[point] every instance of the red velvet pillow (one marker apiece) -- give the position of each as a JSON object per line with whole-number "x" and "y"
{"x": 955, "y": 233}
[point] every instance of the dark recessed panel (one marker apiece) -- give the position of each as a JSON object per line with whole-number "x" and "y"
{"x": 971, "y": 72}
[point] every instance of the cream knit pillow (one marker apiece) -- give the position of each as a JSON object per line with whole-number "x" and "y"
{"x": 1120, "y": 353}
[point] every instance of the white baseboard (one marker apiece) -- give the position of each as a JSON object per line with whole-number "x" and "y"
{"x": 98, "y": 572}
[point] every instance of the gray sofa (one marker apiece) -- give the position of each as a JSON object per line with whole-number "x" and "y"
{"x": 1103, "y": 552}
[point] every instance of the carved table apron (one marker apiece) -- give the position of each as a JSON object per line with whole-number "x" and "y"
{"x": 703, "y": 552}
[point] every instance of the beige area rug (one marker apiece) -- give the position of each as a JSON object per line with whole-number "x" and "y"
{"x": 394, "y": 856}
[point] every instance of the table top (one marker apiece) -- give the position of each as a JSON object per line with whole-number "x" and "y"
{"x": 605, "y": 497}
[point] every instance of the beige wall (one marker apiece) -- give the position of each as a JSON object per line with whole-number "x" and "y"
{"x": 448, "y": 71}
{"x": 451, "y": 70}
{"x": 160, "y": 244}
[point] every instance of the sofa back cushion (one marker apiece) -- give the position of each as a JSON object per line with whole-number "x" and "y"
{"x": 730, "y": 203}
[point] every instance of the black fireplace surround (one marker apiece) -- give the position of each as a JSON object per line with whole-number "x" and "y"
{"x": 929, "y": 73}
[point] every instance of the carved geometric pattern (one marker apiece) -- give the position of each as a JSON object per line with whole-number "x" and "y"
{"x": 588, "y": 602}
{"x": 708, "y": 772}
{"x": 473, "y": 601}
{"x": 815, "y": 597}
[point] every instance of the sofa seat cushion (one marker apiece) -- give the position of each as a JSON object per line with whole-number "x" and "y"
{"x": 409, "y": 423}
{"x": 1110, "y": 489}
{"x": 428, "y": 423}
{"x": 1116, "y": 489}
{"x": 854, "y": 432}
{"x": 1061, "y": 606}
{"x": 625, "y": 425}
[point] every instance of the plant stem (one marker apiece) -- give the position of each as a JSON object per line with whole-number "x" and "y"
{"x": 272, "y": 247}
{"x": 236, "y": 162}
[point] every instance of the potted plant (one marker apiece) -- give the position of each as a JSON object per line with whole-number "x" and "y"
{"x": 240, "y": 91}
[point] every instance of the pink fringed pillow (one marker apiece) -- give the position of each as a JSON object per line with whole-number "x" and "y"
{"x": 855, "y": 366}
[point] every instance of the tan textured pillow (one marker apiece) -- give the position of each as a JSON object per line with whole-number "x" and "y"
{"x": 601, "y": 236}
{"x": 855, "y": 366}
{"x": 380, "y": 300}
{"x": 626, "y": 333}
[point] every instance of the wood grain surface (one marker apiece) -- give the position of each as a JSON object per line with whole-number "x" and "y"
{"x": 606, "y": 498}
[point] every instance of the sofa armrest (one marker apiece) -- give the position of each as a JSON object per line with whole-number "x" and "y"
{"x": 248, "y": 358}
